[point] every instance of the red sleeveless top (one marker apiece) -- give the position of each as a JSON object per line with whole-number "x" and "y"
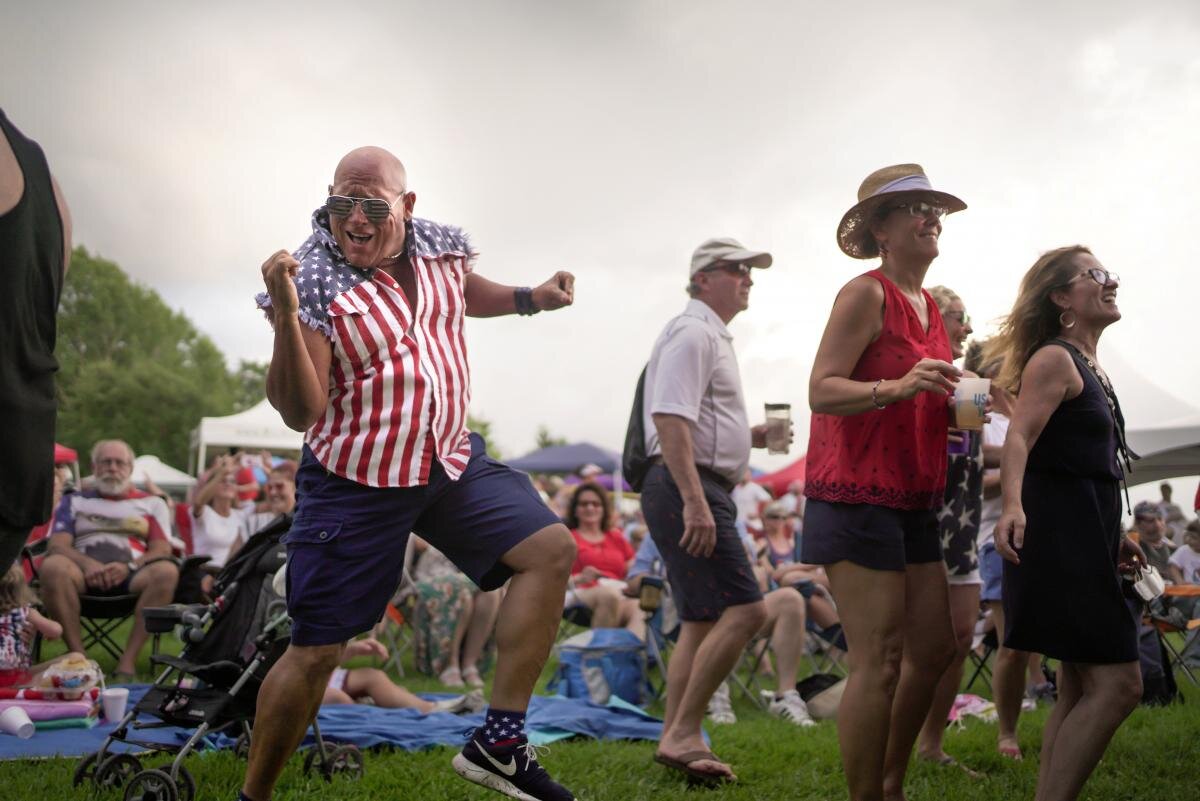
{"x": 893, "y": 457}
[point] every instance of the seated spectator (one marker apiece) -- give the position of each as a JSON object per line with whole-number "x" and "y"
{"x": 280, "y": 500}
{"x": 601, "y": 563}
{"x": 786, "y": 623}
{"x": 1152, "y": 535}
{"x": 109, "y": 540}
{"x": 1184, "y": 565}
{"x": 365, "y": 684}
{"x": 20, "y": 623}
{"x": 218, "y": 514}
{"x": 780, "y": 560}
{"x": 453, "y": 621}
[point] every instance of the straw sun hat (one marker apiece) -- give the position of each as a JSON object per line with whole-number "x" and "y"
{"x": 888, "y": 184}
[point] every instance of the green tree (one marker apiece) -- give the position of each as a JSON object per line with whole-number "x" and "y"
{"x": 250, "y": 384}
{"x": 132, "y": 368}
{"x": 547, "y": 440}
{"x": 483, "y": 428}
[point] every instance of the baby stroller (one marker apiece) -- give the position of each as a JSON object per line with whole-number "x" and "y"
{"x": 212, "y": 686}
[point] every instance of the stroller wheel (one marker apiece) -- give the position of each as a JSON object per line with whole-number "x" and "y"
{"x": 345, "y": 759}
{"x": 114, "y": 772}
{"x": 85, "y": 769}
{"x": 314, "y": 757}
{"x": 151, "y": 785}
{"x": 185, "y": 785}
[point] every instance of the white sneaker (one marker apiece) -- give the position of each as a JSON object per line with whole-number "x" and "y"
{"x": 461, "y": 704}
{"x": 720, "y": 710}
{"x": 791, "y": 707}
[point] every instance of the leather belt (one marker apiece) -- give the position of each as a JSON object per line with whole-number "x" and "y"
{"x": 705, "y": 472}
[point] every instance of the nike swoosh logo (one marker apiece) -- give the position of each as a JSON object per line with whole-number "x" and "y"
{"x": 508, "y": 770}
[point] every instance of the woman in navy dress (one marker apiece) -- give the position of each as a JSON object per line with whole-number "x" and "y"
{"x": 1060, "y": 531}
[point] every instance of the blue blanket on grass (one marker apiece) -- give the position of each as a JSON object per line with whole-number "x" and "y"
{"x": 550, "y": 719}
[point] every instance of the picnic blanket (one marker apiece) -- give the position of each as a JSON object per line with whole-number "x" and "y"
{"x": 549, "y": 719}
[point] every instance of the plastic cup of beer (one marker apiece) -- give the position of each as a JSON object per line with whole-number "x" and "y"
{"x": 970, "y": 403}
{"x": 779, "y": 427}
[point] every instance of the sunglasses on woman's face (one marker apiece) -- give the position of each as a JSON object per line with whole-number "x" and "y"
{"x": 961, "y": 316}
{"x": 919, "y": 208}
{"x": 589, "y": 503}
{"x": 1098, "y": 274}
{"x": 375, "y": 209}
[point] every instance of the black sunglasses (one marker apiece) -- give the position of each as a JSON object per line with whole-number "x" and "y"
{"x": 375, "y": 209}
{"x": 733, "y": 268}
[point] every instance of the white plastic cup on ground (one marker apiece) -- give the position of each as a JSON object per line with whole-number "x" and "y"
{"x": 779, "y": 427}
{"x": 970, "y": 403}
{"x": 113, "y": 700}
{"x": 15, "y": 721}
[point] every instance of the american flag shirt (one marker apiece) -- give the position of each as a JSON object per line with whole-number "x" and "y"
{"x": 399, "y": 381}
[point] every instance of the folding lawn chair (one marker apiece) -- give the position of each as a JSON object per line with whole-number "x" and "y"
{"x": 393, "y": 630}
{"x": 100, "y": 616}
{"x": 1176, "y": 623}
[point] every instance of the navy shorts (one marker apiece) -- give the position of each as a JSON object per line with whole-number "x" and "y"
{"x": 346, "y": 544}
{"x": 874, "y": 537}
{"x": 702, "y": 587}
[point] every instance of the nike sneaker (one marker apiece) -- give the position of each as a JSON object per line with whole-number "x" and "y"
{"x": 512, "y": 770}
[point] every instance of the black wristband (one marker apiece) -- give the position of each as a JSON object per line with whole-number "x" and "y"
{"x": 523, "y": 300}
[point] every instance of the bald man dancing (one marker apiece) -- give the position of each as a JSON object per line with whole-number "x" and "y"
{"x": 370, "y": 361}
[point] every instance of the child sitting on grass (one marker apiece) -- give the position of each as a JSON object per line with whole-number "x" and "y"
{"x": 352, "y": 685}
{"x": 19, "y": 623}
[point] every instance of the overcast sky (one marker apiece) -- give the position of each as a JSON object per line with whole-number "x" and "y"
{"x": 610, "y": 138}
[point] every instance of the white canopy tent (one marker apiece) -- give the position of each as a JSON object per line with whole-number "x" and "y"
{"x": 1163, "y": 429}
{"x": 161, "y": 473}
{"x": 257, "y": 428}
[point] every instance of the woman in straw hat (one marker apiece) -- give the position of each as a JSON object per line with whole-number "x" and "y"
{"x": 876, "y": 471}
{"x": 1060, "y": 530}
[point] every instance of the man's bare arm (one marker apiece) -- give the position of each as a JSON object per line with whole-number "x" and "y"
{"x": 298, "y": 378}
{"x": 485, "y": 298}
{"x": 699, "y": 529}
{"x": 64, "y": 545}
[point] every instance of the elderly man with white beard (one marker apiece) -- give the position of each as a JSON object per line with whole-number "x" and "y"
{"x": 111, "y": 539}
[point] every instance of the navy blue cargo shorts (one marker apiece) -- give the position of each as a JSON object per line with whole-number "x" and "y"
{"x": 346, "y": 544}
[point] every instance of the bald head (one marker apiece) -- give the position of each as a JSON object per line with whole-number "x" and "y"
{"x": 371, "y": 165}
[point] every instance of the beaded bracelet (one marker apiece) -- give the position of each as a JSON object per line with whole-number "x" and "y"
{"x": 875, "y": 395}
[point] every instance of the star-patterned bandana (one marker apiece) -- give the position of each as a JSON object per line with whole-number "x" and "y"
{"x": 324, "y": 272}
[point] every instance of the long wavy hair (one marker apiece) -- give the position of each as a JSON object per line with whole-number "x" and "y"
{"x": 14, "y": 592}
{"x": 1034, "y": 318}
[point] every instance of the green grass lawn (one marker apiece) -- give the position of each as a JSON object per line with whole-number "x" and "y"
{"x": 1155, "y": 755}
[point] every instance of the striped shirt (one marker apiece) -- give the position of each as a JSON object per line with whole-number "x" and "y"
{"x": 399, "y": 381}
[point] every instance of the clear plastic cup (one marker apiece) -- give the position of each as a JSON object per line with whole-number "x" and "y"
{"x": 15, "y": 721}
{"x": 970, "y": 403}
{"x": 113, "y": 700}
{"x": 779, "y": 427}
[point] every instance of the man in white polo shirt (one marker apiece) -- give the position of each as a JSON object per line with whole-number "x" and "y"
{"x": 699, "y": 438}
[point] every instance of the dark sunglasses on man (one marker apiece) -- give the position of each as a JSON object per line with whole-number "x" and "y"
{"x": 733, "y": 268}
{"x": 375, "y": 209}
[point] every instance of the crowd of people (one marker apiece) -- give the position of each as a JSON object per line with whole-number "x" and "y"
{"x": 902, "y": 529}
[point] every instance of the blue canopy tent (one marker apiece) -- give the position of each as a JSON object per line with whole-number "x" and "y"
{"x": 567, "y": 459}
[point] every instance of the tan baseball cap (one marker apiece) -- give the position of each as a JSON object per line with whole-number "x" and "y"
{"x": 726, "y": 250}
